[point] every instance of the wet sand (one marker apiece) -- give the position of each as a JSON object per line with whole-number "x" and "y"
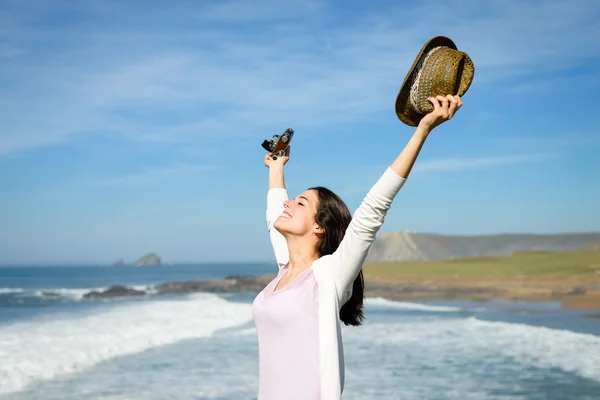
{"x": 576, "y": 295}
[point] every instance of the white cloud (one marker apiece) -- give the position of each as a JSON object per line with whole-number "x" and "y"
{"x": 212, "y": 69}
{"x": 151, "y": 175}
{"x": 476, "y": 163}
{"x": 568, "y": 142}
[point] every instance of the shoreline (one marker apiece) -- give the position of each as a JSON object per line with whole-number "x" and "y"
{"x": 570, "y": 278}
{"x": 578, "y": 296}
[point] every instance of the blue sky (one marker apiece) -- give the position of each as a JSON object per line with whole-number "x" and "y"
{"x": 129, "y": 127}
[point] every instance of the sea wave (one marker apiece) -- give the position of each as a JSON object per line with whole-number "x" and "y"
{"x": 11, "y": 290}
{"x": 543, "y": 347}
{"x": 381, "y": 302}
{"x": 46, "y": 349}
{"x": 74, "y": 294}
{"x": 451, "y": 343}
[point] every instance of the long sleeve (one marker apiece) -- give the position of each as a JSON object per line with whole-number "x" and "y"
{"x": 275, "y": 199}
{"x": 347, "y": 260}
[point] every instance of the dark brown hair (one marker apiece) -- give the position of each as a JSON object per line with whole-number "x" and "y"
{"x": 334, "y": 217}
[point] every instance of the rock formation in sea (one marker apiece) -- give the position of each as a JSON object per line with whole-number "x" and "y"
{"x": 149, "y": 259}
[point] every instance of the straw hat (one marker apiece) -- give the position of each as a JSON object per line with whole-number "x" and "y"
{"x": 439, "y": 69}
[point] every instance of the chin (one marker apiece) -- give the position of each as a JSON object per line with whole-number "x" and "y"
{"x": 286, "y": 226}
{"x": 279, "y": 224}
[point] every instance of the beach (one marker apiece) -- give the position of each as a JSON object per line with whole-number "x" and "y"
{"x": 571, "y": 278}
{"x": 572, "y": 295}
{"x": 186, "y": 332}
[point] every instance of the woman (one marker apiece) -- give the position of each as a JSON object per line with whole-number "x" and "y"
{"x": 320, "y": 249}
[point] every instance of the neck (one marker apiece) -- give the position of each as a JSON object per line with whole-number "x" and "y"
{"x": 302, "y": 254}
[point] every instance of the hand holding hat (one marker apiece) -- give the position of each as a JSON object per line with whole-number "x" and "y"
{"x": 444, "y": 108}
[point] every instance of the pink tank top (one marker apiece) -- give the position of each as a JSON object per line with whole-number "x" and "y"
{"x": 288, "y": 339}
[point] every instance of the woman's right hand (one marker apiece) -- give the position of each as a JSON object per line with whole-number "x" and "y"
{"x": 269, "y": 162}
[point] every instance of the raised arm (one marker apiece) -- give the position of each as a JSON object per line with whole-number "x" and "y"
{"x": 276, "y": 195}
{"x": 368, "y": 218}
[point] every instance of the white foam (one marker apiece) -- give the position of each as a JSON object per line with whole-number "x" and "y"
{"x": 245, "y": 332}
{"x": 45, "y": 349}
{"x": 73, "y": 294}
{"x": 381, "y": 302}
{"x": 448, "y": 343}
{"x": 77, "y": 294}
{"x": 11, "y": 290}
{"x": 543, "y": 347}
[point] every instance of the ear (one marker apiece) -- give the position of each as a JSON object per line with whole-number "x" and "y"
{"x": 317, "y": 230}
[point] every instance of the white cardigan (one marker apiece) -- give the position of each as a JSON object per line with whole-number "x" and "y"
{"x": 335, "y": 273}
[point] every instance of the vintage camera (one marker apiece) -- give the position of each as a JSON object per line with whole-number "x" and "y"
{"x": 278, "y": 144}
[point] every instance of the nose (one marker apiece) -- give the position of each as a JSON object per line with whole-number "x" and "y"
{"x": 286, "y": 203}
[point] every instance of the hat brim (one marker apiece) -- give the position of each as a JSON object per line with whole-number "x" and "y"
{"x": 404, "y": 111}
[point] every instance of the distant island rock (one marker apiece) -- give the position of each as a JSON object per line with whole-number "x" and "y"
{"x": 120, "y": 261}
{"x": 149, "y": 259}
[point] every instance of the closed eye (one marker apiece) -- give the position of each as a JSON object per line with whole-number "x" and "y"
{"x": 305, "y": 199}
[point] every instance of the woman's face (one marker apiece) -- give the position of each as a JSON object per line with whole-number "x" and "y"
{"x": 298, "y": 217}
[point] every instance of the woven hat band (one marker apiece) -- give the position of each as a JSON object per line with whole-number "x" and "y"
{"x": 414, "y": 88}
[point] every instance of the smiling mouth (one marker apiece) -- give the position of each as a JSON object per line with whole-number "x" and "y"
{"x": 286, "y": 215}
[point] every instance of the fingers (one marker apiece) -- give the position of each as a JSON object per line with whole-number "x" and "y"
{"x": 440, "y": 105}
{"x": 453, "y": 105}
{"x": 281, "y": 156}
{"x": 444, "y": 106}
{"x": 436, "y": 104}
{"x": 268, "y": 159}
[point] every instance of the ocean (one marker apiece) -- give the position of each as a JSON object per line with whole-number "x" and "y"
{"x": 54, "y": 344}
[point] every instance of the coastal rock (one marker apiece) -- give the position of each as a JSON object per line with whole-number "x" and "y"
{"x": 216, "y": 286}
{"x": 46, "y": 293}
{"x": 114, "y": 291}
{"x": 231, "y": 284}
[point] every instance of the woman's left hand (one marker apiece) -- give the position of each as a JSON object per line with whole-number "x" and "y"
{"x": 444, "y": 108}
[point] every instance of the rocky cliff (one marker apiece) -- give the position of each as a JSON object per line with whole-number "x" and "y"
{"x": 408, "y": 246}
